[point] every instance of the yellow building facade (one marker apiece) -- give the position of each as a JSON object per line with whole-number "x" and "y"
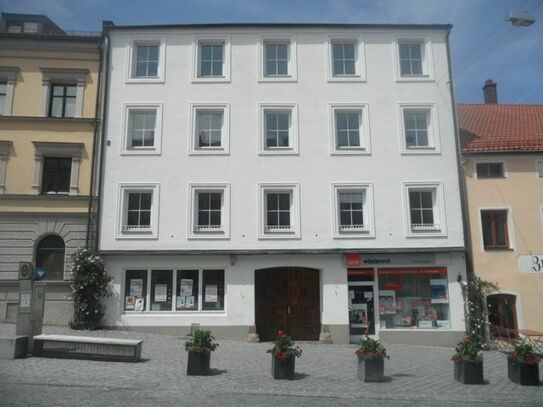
{"x": 49, "y": 81}
{"x": 503, "y": 168}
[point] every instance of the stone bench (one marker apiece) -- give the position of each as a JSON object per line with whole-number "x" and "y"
{"x": 86, "y": 347}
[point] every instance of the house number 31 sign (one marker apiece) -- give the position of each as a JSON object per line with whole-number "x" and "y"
{"x": 530, "y": 263}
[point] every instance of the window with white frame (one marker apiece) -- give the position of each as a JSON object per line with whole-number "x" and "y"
{"x": 280, "y": 210}
{"x": 8, "y": 78}
{"x": 170, "y": 290}
{"x": 345, "y": 58}
{"x": 413, "y": 57}
{"x": 424, "y": 208}
{"x": 63, "y": 99}
{"x": 143, "y": 123}
{"x": 63, "y": 91}
{"x": 210, "y": 59}
{"x": 276, "y": 57}
{"x": 209, "y": 211}
{"x": 279, "y": 133}
{"x": 3, "y": 94}
{"x": 350, "y": 129}
{"x": 540, "y": 169}
{"x": 146, "y": 60}
{"x": 419, "y": 129}
{"x": 138, "y": 208}
{"x": 210, "y": 129}
{"x": 352, "y": 210}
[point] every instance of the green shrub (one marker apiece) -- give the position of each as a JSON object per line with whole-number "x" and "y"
{"x": 371, "y": 349}
{"x": 283, "y": 347}
{"x": 201, "y": 341}
{"x": 468, "y": 350}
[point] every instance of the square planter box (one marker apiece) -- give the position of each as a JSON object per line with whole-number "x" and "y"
{"x": 524, "y": 374}
{"x": 283, "y": 369}
{"x": 198, "y": 363}
{"x": 371, "y": 370}
{"x": 468, "y": 372}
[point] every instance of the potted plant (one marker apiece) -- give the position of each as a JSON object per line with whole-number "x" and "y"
{"x": 468, "y": 361}
{"x": 199, "y": 348}
{"x": 523, "y": 365}
{"x": 284, "y": 354}
{"x": 371, "y": 360}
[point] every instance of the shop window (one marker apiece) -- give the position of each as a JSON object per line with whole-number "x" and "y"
{"x": 187, "y": 298}
{"x": 213, "y": 290}
{"x": 135, "y": 290}
{"x": 50, "y": 258}
{"x": 161, "y": 290}
{"x": 413, "y": 298}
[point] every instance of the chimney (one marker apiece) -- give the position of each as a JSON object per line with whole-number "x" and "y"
{"x": 490, "y": 92}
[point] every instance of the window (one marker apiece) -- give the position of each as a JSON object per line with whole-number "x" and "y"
{"x": 410, "y": 58}
{"x": 415, "y": 298}
{"x": 195, "y": 290}
{"x": 30, "y": 27}
{"x": 138, "y": 214}
{"x": 209, "y": 129}
{"x": 279, "y": 135}
{"x": 413, "y": 59}
{"x": 56, "y": 175}
{"x": 63, "y": 98}
{"x": 280, "y": 211}
{"x": 3, "y": 93}
{"x": 56, "y": 167}
{"x": 276, "y": 59}
{"x": 147, "y": 57}
{"x": 211, "y": 59}
{"x": 424, "y": 208}
{"x": 143, "y": 129}
{"x": 490, "y": 170}
{"x": 138, "y": 206}
{"x": 146, "y": 64}
{"x": 494, "y": 224}
{"x": 210, "y": 206}
{"x": 5, "y": 148}
{"x": 343, "y": 59}
{"x": 209, "y": 211}
{"x": 350, "y": 129}
{"x": 419, "y": 129}
{"x": 540, "y": 169}
{"x": 50, "y": 253}
{"x": 352, "y": 210}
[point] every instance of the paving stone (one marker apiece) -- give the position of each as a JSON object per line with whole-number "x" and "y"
{"x": 326, "y": 376}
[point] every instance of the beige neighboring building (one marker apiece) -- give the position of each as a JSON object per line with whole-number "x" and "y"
{"x": 503, "y": 166}
{"x": 48, "y": 92}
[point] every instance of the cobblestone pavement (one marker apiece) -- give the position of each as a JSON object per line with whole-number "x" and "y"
{"x": 326, "y": 376}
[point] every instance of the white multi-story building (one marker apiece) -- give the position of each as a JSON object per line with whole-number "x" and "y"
{"x": 258, "y": 177}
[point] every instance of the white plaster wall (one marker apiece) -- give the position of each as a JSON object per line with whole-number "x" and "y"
{"x": 314, "y": 168}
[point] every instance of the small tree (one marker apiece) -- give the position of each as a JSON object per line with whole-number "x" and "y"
{"x": 89, "y": 285}
{"x": 477, "y": 290}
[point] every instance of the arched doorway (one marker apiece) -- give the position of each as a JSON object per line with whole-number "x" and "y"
{"x": 287, "y": 299}
{"x": 502, "y": 310}
{"x": 50, "y": 253}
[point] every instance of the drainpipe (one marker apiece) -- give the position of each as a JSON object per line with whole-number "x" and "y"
{"x": 106, "y": 25}
{"x": 92, "y": 195}
{"x": 462, "y": 185}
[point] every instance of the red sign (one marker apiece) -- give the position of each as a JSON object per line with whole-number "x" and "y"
{"x": 394, "y": 285}
{"x": 353, "y": 260}
{"x": 412, "y": 271}
{"x": 360, "y": 272}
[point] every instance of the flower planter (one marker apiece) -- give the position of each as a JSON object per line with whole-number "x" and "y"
{"x": 283, "y": 369}
{"x": 198, "y": 363}
{"x": 371, "y": 369}
{"x": 468, "y": 372}
{"x": 525, "y": 374}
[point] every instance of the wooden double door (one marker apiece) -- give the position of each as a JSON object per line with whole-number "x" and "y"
{"x": 287, "y": 299}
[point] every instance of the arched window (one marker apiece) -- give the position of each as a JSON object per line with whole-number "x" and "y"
{"x": 50, "y": 258}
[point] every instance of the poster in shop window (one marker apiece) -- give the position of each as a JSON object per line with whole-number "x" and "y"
{"x": 180, "y": 302}
{"x": 211, "y": 293}
{"x": 387, "y": 302}
{"x": 185, "y": 287}
{"x": 438, "y": 288}
{"x": 136, "y": 287}
{"x": 189, "y": 301}
{"x": 129, "y": 303}
{"x": 161, "y": 291}
{"x": 139, "y": 304}
{"x": 359, "y": 315}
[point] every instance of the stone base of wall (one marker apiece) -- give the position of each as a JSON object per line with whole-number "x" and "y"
{"x": 414, "y": 337}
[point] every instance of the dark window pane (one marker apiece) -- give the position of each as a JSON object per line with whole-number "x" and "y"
{"x": 404, "y": 51}
{"x": 205, "y": 69}
{"x": 56, "y": 175}
{"x": 415, "y": 51}
{"x": 272, "y": 219}
{"x": 405, "y": 67}
{"x": 58, "y": 90}
{"x": 56, "y": 107}
{"x": 187, "y": 290}
{"x": 338, "y": 67}
{"x": 271, "y": 139}
{"x": 284, "y": 201}
{"x": 213, "y": 290}
{"x": 145, "y": 201}
{"x": 487, "y": 229}
{"x": 205, "y": 52}
{"x": 217, "y": 68}
{"x": 145, "y": 218}
{"x": 358, "y": 218}
{"x": 348, "y": 50}
{"x": 133, "y": 201}
{"x": 426, "y": 199}
{"x": 215, "y": 201}
{"x": 414, "y": 199}
{"x": 270, "y": 68}
{"x": 428, "y": 217}
{"x": 135, "y": 290}
{"x": 133, "y": 218}
{"x": 215, "y": 218}
{"x": 161, "y": 290}
{"x": 282, "y": 68}
{"x": 343, "y": 138}
{"x": 416, "y": 217}
{"x": 283, "y": 138}
{"x": 345, "y": 218}
{"x": 203, "y": 201}
{"x": 284, "y": 218}
{"x": 50, "y": 254}
{"x": 203, "y": 218}
{"x": 272, "y": 201}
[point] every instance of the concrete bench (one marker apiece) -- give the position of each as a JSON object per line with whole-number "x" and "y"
{"x": 86, "y": 347}
{"x": 13, "y": 347}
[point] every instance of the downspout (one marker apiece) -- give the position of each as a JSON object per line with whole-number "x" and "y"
{"x": 463, "y": 191}
{"x": 103, "y": 142}
{"x": 92, "y": 195}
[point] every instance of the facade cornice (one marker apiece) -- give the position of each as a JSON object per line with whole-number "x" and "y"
{"x": 50, "y": 43}
{"x": 50, "y": 119}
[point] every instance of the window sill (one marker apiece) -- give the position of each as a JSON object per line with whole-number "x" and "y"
{"x": 211, "y": 151}
{"x": 285, "y": 78}
{"x": 279, "y": 151}
{"x": 210, "y": 79}
{"x": 350, "y": 151}
{"x": 498, "y": 249}
{"x": 279, "y": 234}
{"x": 150, "y": 151}
{"x": 421, "y": 151}
{"x": 415, "y": 78}
{"x": 145, "y": 80}
{"x": 346, "y": 78}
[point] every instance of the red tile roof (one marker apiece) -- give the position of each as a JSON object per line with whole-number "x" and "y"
{"x": 496, "y": 127}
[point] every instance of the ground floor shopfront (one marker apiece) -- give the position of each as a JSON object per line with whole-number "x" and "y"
{"x": 399, "y": 298}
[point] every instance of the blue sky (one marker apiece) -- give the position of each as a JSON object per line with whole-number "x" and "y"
{"x": 483, "y": 44}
